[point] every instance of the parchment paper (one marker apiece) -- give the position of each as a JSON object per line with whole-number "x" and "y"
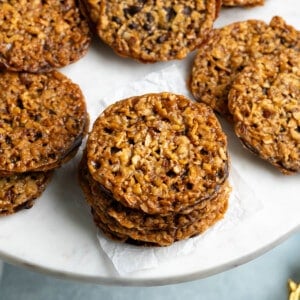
{"x": 242, "y": 203}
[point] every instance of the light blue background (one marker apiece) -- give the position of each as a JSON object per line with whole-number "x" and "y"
{"x": 264, "y": 278}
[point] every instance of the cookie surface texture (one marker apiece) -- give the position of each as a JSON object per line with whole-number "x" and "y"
{"x": 159, "y": 153}
{"x": 41, "y": 35}
{"x": 151, "y": 31}
{"x": 43, "y": 120}
{"x": 265, "y": 104}
{"x": 20, "y": 191}
{"x": 229, "y": 50}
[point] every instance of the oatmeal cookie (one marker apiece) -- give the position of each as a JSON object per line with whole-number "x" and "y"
{"x": 43, "y": 120}
{"x": 19, "y": 191}
{"x": 151, "y": 31}
{"x": 242, "y": 2}
{"x": 41, "y": 35}
{"x": 158, "y": 153}
{"x": 265, "y": 103}
{"x": 229, "y": 50}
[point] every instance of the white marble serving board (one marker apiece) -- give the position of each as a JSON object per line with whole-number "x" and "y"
{"x": 57, "y": 235}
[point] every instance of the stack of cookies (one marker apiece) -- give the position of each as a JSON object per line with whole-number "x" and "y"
{"x": 42, "y": 122}
{"x": 43, "y": 116}
{"x": 151, "y": 31}
{"x": 155, "y": 169}
{"x": 249, "y": 72}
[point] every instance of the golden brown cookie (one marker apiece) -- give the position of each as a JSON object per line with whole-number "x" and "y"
{"x": 151, "y": 31}
{"x": 229, "y": 50}
{"x": 242, "y": 2}
{"x": 159, "y": 153}
{"x": 41, "y": 35}
{"x": 156, "y": 237}
{"x": 265, "y": 103}
{"x": 42, "y": 121}
{"x": 170, "y": 235}
{"x": 294, "y": 290}
{"x": 20, "y": 191}
{"x": 132, "y": 218}
{"x": 117, "y": 236}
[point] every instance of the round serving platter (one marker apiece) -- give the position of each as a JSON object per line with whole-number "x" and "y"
{"x": 57, "y": 236}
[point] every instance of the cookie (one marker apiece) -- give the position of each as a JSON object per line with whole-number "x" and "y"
{"x": 265, "y": 103}
{"x": 242, "y": 2}
{"x": 159, "y": 153}
{"x": 229, "y": 50}
{"x": 40, "y": 35}
{"x": 20, "y": 191}
{"x": 43, "y": 120}
{"x": 117, "y": 236}
{"x": 151, "y": 31}
{"x": 131, "y": 218}
{"x": 168, "y": 236}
